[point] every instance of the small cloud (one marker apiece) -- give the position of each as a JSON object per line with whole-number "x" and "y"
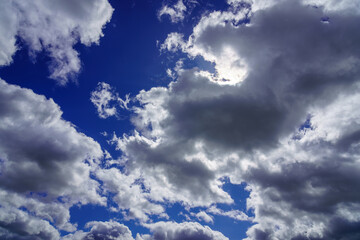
{"x": 175, "y": 12}
{"x": 107, "y": 101}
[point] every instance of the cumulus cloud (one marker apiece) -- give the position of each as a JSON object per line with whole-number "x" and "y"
{"x": 102, "y": 231}
{"x": 107, "y": 101}
{"x": 54, "y": 27}
{"x": 280, "y": 113}
{"x": 184, "y": 231}
{"x": 129, "y": 194}
{"x": 40, "y": 151}
{"x": 17, "y": 224}
{"x": 45, "y": 163}
{"x": 159, "y": 231}
{"x": 287, "y": 126}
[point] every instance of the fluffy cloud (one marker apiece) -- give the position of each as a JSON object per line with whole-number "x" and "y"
{"x": 40, "y": 151}
{"x": 17, "y": 224}
{"x": 107, "y": 101}
{"x": 203, "y": 216}
{"x": 130, "y": 196}
{"x": 160, "y": 231}
{"x": 285, "y": 123}
{"x": 102, "y": 231}
{"x": 54, "y": 27}
{"x": 184, "y": 231}
{"x": 312, "y": 190}
{"x": 45, "y": 164}
{"x": 175, "y": 12}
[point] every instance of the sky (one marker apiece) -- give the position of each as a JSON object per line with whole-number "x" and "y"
{"x": 179, "y": 120}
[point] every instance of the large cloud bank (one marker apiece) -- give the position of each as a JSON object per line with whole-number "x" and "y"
{"x": 280, "y": 113}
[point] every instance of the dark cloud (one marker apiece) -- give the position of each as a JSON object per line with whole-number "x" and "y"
{"x": 302, "y": 177}
{"x": 18, "y": 225}
{"x": 102, "y": 231}
{"x": 40, "y": 151}
{"x": 43, "y": 158}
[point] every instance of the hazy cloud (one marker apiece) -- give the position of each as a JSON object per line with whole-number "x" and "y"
{"x": 176, "y": 12}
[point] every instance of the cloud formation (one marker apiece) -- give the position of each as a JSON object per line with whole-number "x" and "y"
{"x": 287, "y": 126}
{"x": 279, "y": 113}
{"x": 54, "y": 27}
{"x": 45, "y": 164}
{"x": 102, "y": 231}
{"x": 183, "y": 231}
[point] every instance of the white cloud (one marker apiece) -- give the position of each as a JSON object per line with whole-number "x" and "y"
{"x": 130, "y": 196}
{"x": 184, "y": 231}
{"x": 234, "y": 214}
{"x": 175, "y": 12}
{"x": 230, "y": 67}
{"x": 54, "y": 27}
{"x": 173, "y": 42}
{"x": 203, "y": 216}
{"x": 107, "y": 101}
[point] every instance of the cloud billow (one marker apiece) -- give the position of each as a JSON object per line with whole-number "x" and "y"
{"x": 302, "y": 177}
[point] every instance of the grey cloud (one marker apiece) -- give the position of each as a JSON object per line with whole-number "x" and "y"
{"x": 43, "y": 158}
{"x": 102, "y": 231}
{"x": 18, "y": 225}
{"x": 297, "y": 68}
{"x": 40, "y": 151}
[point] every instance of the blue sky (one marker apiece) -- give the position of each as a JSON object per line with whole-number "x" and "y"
{"x": 179, "y": 119}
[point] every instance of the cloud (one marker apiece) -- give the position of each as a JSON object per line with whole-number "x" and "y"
{"x": 234, "y": 214}
{"x": 106, "y": 100}
{"x": 173, "y": 42}
{"x": 175, "y": 12}
{"x": 184, "y": 231}
{"x": 203, "y": 216}
{"x": 16, "y": 224}
{"x": 160, "y": 230}
{"x": 312, "y": 190}
{"x": 102, "y": 231}
{"x": 54, "y": 27}
{"x": 40, "y": 151}
{"x": 45, "y": 163}
{"x": 288, "y": 127}
{"x": 129, "y": 194}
